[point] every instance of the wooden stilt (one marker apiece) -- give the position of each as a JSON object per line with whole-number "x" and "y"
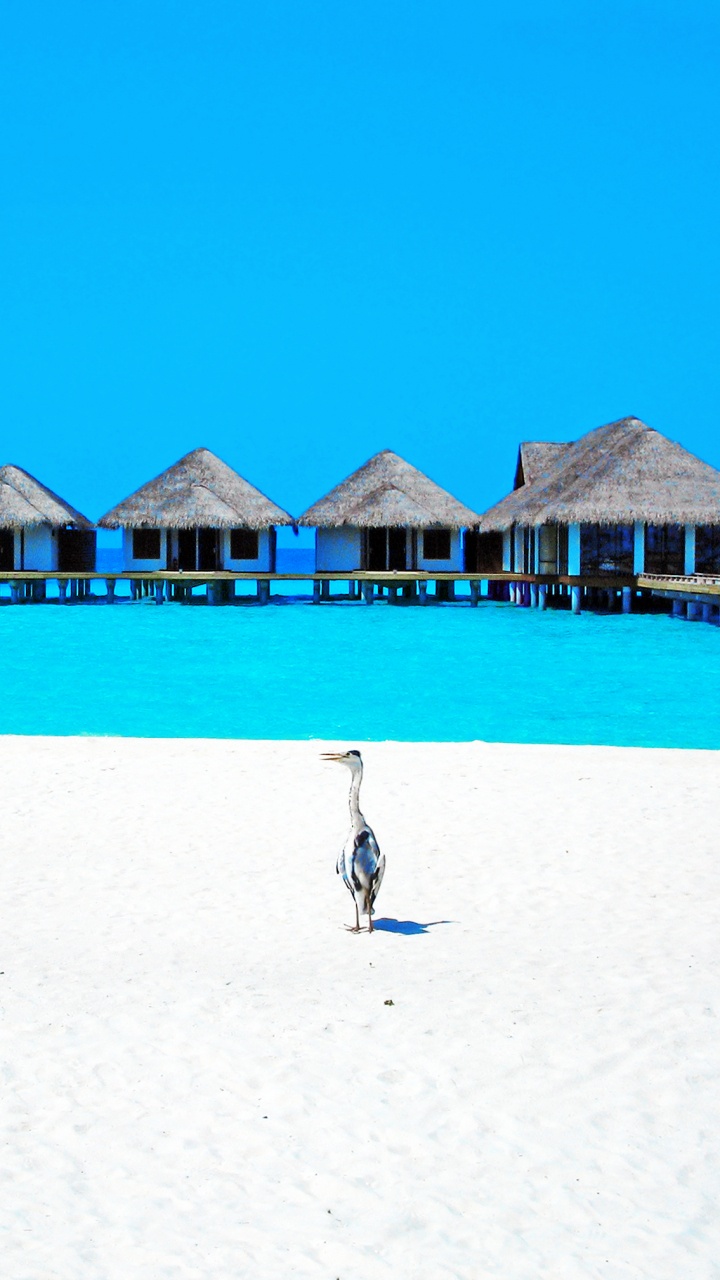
{"x": 316, "y": 592}
{"x": 159, "y": 593}
{"x": 263, "y": 590}
{"x": 368, "y": 592}
{"x": 110, "y": 586}
{"x": 542, "y": 596}
{"x": 474, "y": 594}
{"x": 533, "y": 595}
{"x": 62, "y": 590}
{"x": 576, "y": 599}
{"x": 627, "y": 596}
{"x": 422, "y": 591}
{"x": 694, "y": 611}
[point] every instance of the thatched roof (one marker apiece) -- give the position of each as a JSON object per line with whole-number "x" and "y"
{"x": 535, "y": 457}
{"x": 24, "y": 501}
{"x": 199, "y": 491}
{"x": 388, "y": 492}
{"x": 615, "y": 474}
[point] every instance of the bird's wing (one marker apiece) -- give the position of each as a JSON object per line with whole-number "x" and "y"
{"x": 379, "y": 873}
{"x": 368, "y": 864}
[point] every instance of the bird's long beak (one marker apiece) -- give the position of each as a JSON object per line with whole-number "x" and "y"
{"x": 336, "y": 756}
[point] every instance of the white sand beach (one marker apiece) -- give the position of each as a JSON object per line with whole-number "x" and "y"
{"x": 205, "y": 1076}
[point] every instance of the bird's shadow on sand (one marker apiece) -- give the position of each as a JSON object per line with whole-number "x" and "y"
{"x": 408, "y": 927}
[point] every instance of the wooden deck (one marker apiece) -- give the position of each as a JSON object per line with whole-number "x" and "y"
{"x": 386, "y": 578}
{"x": 398, "y": 586}
{"x": 684, "y": 587}
{"x": 693, "y": 596}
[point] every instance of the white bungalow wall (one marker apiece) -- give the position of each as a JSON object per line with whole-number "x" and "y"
{"x": 340, "y": 550}
{"x": 40, "y": 550}
{"x": 142, "y": 566}
{"x": 337, "y": 550}
{"x": 639, "y": 547}
{"x": 453, "y": 565}
{"x": 689, "y": 548}
{"x": 507, "y": 550}
{"x": 263, "y": 562}
{"x": 574, "y": 550}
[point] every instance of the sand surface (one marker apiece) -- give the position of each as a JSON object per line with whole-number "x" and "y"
{"x": 204, "y": 1075}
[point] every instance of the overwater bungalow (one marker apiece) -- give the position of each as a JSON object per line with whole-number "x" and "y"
{"x": 621, "y": 500}
{"x": 387, "y": 515}
{"x": 39, "y": 531}
{"x": 198, "y": 515}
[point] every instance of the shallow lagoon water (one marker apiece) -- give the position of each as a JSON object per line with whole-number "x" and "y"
{"x": 445, "y": 673}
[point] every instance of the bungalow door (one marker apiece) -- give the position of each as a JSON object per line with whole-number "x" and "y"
{"x": 208, "y": 550}
{"x": 483, "y": 551}
{"x": 7, "y": 549}
{"x": 397, "y": 549}
{"x": 187, "y": 550}
{"x": 377, "y": 550}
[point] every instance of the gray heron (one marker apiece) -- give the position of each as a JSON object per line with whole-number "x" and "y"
{"x": 361, "y": 864}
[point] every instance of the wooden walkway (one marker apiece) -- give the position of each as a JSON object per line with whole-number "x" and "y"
{"x": 694, "y": 596}
{"x": 409, "y": 586}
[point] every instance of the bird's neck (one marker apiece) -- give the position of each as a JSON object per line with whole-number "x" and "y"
{"x": 354, "y": 800}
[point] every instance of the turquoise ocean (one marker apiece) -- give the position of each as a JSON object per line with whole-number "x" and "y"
{"x": 446, "y": 673}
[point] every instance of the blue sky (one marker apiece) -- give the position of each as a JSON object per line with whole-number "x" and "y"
{"x": 298, "y": 233}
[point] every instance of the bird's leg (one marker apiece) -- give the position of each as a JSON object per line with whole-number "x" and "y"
{"x": 354, "y": 928}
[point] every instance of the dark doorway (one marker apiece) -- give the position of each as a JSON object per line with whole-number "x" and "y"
{"x": 187, "y": 550}
{"x": 76, "y": 550}
{"x": 7, "y": 549}
{"x": 397, "y": 549}
{"x": 563, "y": 548}
{"x": 385, "y": 549}
{"x": 483, "y": 551}
{"x": 208, "y": 550}
{"x": 376, "y": 549}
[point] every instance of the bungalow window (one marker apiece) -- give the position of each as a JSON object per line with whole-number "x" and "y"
{"x": 707, "y": 549}
{"x": 244, "y": 544}
{"x": 665, "y": 548}
{"x": 146, "y": 544}
{"x": 606, "y": 548}
{"x": 436, "y": 544}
